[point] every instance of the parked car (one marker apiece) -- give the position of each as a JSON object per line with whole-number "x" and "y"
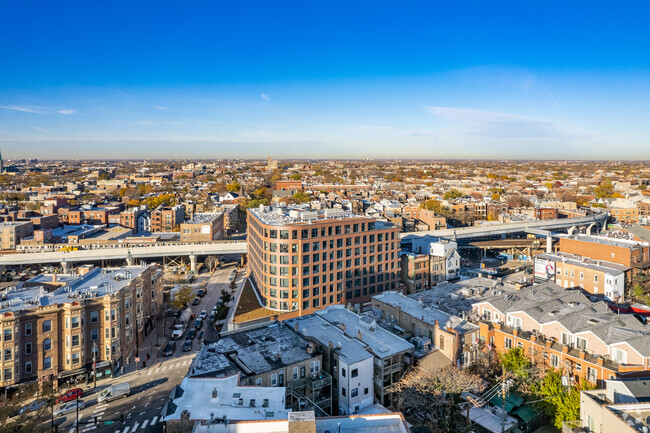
{"x": 113, "y": 392}
{"x": 198, "y": 323}
{"x": 70, "y": 395}
{"x": 33, "y": 406}
{"x": 187, "y": 345}
{"x": 201, "y": 293}
{"x": 196, "y": 301}
{"x": 190, "y": 334}
{"x": 170, "y": 348}
{"x": 71, "y": 406}
{"x": 203, "y": 314}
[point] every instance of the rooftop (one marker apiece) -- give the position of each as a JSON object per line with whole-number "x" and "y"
{"x": 54, "y": 289}
{"x": 585, "y": 262}
{"x": 602, "y": 240}
{"x": 203, "y": 218}
{"x": 282, "y": 215}
{"x": 427, "y": 313}
{"x": 223, "y": 397}
{"x": 251, "y": 352}
{"x": 314, "y": 326}
{"x": 379, "y": 341}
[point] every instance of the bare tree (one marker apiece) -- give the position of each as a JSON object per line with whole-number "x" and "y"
{"x": 433, "y": 396}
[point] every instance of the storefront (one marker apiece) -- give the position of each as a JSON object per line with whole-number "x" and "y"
{"x": 104, "y": 370}
{"x": 70, "y": 378}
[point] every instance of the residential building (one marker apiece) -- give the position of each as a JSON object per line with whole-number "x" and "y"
{"x": 302, "y": 260}
{"x": 564, "y": 329}
{"x": 392, "y": 355}
{"x": 289, "y": 185}
{"x": 203, "y": 227}
{"x": 570, "y": 271}
{"x": 623, "y": 406}
{"x": 454, "y": 337}
{"x": 270, "y": 355}
{"x": 11, "y": 233}
{"x": 137, "y": 219}
{"x": 546, "y": 213}
{"x": 635, "y": 255}
{"x": 167, "y": 219}
{"x": 53, "y": 325}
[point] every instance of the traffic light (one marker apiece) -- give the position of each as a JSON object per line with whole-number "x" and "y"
{"x": 121, "y": 417}
{"x": 95, "y": 420}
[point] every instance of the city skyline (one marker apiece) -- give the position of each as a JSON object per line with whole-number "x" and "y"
{"x": 354, "y": 81}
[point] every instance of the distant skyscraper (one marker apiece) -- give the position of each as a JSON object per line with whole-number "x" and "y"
{"x": 271, "y": 164}
{"x": 2, "y": 164}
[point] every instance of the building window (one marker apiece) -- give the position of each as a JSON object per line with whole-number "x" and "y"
{"x": 94, "y": 316}
{"x": 354, "y": 372}
{"x": 8, "y": 335}
{"x": 354, "y": 392}
{"x": 8, "y": 354}
{"x": 28, "y": 329}
{"x": 258, "y": 382}
{"x": 274, "y": 379}
{"x": 28, "y": 348}
{"x": 8, "y": 374}
{"x": 581, "y": 343}
{"x": 75, "y": 358}
{"x": 343, "y": 372}
{"x": 555, "y": 360}
{"x": 507, "y": 342}
{"x": 94, "y": 334}
{"x": 295, "y": 373}
{"x": 47, "y": 344}
{"x": 47, "y": 325}
{"x": 314, "y": 367}
{"x": 365, "y": 391}
{"x": 343, "y": 393}
{"x": 74, "y": 321}
{"x": 75, "y": 340}
{"x": 28, "y": 367}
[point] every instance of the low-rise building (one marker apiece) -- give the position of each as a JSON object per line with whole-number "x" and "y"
{"x": 564, "y": 329}
{"x": 633, "y": 254}
{"x": 454, "y": 337}
{"x": 167, "y": 219}
{"x": 12, "y": 232}
{"x": 203, "y": 227}
{"x": 52, "y": 326}
{"x": 269, "y": 355}
{"x": 392, "y": 355}
{"x": 596, "y": 277}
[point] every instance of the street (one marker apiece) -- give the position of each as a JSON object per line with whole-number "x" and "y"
{"x": 150, "y": 386}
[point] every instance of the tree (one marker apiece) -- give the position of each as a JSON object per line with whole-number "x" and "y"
{"x": 434, "y": 395}
{"x": 638, "y": 291}
{"x": 452, "y": 194}
{"x": 233, "y": 186}
{"x": 294, "y": 176}
{"x": 301, "y": 197}
{"x": 496, "y": 196}
{"x": 183, "y": 297}
{"x": 514, "y": 361}
{"x": 225, "y": 295}
{"x": 560, "y": 403}
{"x": 257, "y": 202}
{"x": 604, "y": 189}
{"x": 435, "y": 206}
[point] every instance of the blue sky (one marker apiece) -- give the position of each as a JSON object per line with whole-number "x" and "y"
{"x": 214, "y": 79}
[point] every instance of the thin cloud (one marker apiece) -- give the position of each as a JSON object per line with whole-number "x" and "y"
{"x": 19, "y": 108}
{"x": 163, "y": 108}
{"x": 37, "y": 128}
{"x": 67, "y": 111}
{"x": 265, "y": 97}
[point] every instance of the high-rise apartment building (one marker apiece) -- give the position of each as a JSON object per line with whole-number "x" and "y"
{"x": 53, "y": 327}
{"x": 302, "y": 260}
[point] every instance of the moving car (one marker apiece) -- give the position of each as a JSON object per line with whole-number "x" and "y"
{"x": 187, "y": 346}
{"x": 198, "y": 323}
{"x": 64, "y": 408}
{"x": 203, "y": 314}
{"x": 196, "y": 301}
{"x": 177, "y": 332}
{"x": 113, "y": 392}
{"x": 190, "y": 334}
{"x": 170, "y": 348}
{"x": 70, "y": 395}
{"x": 201, "y": 293}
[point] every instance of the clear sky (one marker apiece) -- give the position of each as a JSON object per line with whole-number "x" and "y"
{"x": 426, "y": 79}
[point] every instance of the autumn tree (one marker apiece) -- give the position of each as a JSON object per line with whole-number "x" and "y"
{"x": 452, "y": 194}
{"x": 182, "y": 297}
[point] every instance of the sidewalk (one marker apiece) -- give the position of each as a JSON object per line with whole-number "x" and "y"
{"x": 130, "y": 370}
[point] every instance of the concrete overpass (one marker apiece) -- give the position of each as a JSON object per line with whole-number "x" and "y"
{"x": 126, "y": 253}
{"x": 591, "y": 224}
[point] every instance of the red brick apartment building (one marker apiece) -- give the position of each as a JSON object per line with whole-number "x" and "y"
{"x": 563, "y": 329}
{"x": 166, "y": 219}
{"x": 288, "y": 185}
{"x": 302, "y": 260}
{"x": 635, "y": 255}
{"x": 546, "y": 213}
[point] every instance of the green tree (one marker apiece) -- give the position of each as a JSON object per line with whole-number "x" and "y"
{"x": 257, "y": 202}
{"x": 301, "y": 197}
{"x": 638, "y": 291}
{"x": 225, "y": 295}
{"x": 435, "y": 206}
{"x": 183, "y": 297}
{"x": 604, "y": 189}
{"x": 514, "y": 361}
{"x": 452, "y": 194}
{"x": 559, "y": 402}
{"x": 295, "y": 176}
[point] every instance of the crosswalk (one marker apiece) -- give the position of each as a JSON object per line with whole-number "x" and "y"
{"x": 133, "y": 428}
{"x": 168, "y": 366}
{"x": 128, "y": 429}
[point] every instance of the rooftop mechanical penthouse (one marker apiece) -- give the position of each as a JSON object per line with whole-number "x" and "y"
{"x": 302, "y": 260}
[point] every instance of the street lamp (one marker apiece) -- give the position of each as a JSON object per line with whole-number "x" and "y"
{"x": 94, "y": 365}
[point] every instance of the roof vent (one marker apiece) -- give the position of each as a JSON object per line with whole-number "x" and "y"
{"x": 214, "y": 393}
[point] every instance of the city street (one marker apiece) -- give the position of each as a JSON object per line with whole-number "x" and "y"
{"x": 151, "y": 386}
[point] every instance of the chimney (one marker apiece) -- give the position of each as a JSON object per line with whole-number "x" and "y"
{"x": 330, "y": 345}
{"x": 497, "y": 325}
{"x": 582, "y": 354}
{"x": 54, "y": 278}
{"x": 599, "y": 360}
{"x": 295, "y": 326}
{"x": 549, "y": 343}
{"x": 533, "y": 338}
{"x": 185, "y": 415}
{"x": 565, "y": 349}
{"x": 359, "y": 336}
{"x": 515, "y": 332}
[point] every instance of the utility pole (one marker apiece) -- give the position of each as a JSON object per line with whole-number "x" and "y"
{"x": 77, "y": 412}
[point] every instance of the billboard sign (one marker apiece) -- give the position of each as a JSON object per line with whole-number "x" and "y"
{"x": 544, "y": 269}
